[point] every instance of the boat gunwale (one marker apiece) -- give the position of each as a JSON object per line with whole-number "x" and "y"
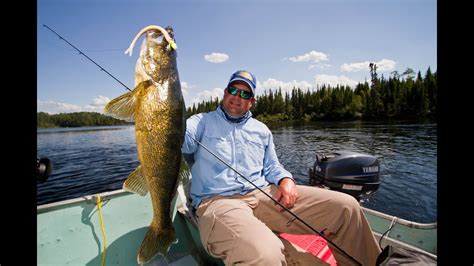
{"x": 121, "y": 192}
{"x": 401, "y": 220}
{"x": 390, "y": 240}
{"x": 91, "y": 199}
{"x": 76, "y": 201}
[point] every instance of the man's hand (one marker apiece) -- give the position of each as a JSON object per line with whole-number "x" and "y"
{"x": 287, "y": 193}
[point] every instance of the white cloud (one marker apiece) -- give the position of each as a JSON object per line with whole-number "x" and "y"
{"x": 185, "y": 87}
{"x": 216, "y": 57}
{"x": 97, "y": 105}
{"x": 311, "y": 56}
{"x": 204, "y": 96}
{"x": 53, "y": 107}
{"x": 274, "y": 84}
{"x": 382, "y": 65}
{"x": 320, "y": 66}
{"x": 185, "y": 90}
{"x": 334, "y": 80}
{"x": 320, "y": 80}
{"x": 386, "y": 65}
{"x": 354, "y": 67}
{"x": 100, "y": 101}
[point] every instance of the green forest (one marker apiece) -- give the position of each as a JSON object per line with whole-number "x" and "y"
{"x": 406, "y": 96}
{"x": 78, "y": 119}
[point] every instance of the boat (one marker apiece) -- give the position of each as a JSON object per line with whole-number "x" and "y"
{"x": 78, "y": 232}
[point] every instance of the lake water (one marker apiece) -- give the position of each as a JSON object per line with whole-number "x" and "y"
{"x": 97, "y": 159}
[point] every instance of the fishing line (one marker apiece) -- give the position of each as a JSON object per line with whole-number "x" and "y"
{"x": 217, "y": 157}
{"x": 104, "y": 50}
{"x": 276, "y": 201}
{"x": 80, "y": 52}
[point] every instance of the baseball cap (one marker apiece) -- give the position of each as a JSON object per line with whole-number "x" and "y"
{"x": 245, "y": 76}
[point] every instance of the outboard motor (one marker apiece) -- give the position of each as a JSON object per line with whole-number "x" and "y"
{"x": 353, "y": 173}
{"x": 44, "y": 167}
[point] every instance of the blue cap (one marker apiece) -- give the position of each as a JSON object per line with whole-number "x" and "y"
{"x": 245, "y": 76}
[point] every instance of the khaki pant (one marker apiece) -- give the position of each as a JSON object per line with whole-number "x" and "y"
{"x": 239, "y": 228}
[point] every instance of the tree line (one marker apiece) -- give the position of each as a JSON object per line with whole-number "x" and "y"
{"x": 401, "y": 96}
{"x": 78, "y": 119}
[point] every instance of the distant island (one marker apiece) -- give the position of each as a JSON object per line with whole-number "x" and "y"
{"x": 77, "y": 119}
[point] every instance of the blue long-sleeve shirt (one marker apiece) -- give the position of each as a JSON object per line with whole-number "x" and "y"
{"x": 247, "y": 146}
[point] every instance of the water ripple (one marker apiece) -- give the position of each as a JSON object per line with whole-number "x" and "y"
{"x": 93, "y": 161}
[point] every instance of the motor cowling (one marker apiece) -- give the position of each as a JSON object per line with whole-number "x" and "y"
{"x": 353, "y": 173}
{"x": 44, "y": 167}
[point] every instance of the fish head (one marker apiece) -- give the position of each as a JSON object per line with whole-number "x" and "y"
{"x": 157, "y": 59}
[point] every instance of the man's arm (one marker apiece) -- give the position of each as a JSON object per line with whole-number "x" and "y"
{"x": 194, "y": 129}
{"x": 275, "y": 173}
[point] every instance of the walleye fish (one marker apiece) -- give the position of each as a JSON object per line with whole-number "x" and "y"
{"x": 157, "y": 107}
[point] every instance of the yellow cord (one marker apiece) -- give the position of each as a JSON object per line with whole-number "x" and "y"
{"x": 103, "y": 230}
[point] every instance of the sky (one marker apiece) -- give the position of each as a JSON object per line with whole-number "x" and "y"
{"x": 284, "y": 43}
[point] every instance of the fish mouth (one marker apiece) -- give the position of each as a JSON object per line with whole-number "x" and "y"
{"x": 156, "y": 38}
{"x": 157, "y": 53}
{"x": 154, "y": 32}
{"x": 157, "y": 33}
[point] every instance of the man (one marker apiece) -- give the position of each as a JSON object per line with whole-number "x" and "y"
{"x": 236, "y": 221}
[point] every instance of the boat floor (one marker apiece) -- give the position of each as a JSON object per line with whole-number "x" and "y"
{"x": 69, "y": 232}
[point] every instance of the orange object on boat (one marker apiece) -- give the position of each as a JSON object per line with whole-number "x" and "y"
{"x": 313, "y": 244}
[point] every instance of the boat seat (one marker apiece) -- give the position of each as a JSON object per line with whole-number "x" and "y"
{"x": 294, "y": 254}
{"x": 186, "y": 207}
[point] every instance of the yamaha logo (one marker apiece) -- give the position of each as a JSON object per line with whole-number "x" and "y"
{"x": 370, "y": 169}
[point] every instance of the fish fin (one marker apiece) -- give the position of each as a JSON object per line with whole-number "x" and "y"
{"x": 184, "y": 172}
{"x": 136, "y": 182}
{"x": 156, "y": 242}
{"x": 123, "y": 107}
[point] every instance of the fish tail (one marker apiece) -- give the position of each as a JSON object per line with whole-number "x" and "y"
{"x": 156, "y": 242}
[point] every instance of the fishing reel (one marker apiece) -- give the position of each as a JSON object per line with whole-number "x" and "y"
{"x": 44, "y": 168}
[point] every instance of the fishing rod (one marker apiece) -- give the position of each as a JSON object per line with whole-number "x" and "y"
{"x": 217, "y": 157}
{"x": 80, "y": 52}
{"x": 276, "y": 201}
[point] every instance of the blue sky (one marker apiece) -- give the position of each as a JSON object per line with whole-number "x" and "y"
{"x": 284, "y": 43}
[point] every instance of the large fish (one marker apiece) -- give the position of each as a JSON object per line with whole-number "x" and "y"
{"x": 157, "y": 107}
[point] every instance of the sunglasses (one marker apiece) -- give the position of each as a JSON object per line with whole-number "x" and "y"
{"x": 246, "y": 95}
